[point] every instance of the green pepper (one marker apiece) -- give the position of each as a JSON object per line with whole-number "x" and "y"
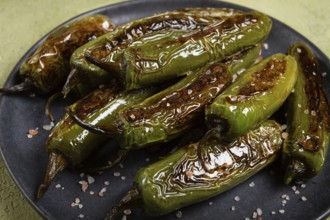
{"x": 70, "y": 144}
{"x": 254, "y": 97}
{"x": 164, "y": 59}
{"x": 182, "y": 179}
{"x": 47, "y": 69}
{"x": 109, "y": 47}
{"x": 305, "y": 150}
{"x": 171, "y": 112}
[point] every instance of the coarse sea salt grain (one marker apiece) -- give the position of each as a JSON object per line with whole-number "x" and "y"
{"x": 116, "y": 173}
{"x": 252, "y": 184}
{"x": 178, "y": 214}
{"x": 237, "y": 198}
{"x": 282, "y": 211}
{"x": 90, "y": 179}
{"x": 58, "y": 186}
{"x": 259, "y": 211}
{"x": 303, "y": 198}
{"x": 127, "y": 212}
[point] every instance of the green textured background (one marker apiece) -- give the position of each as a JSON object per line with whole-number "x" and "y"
{"x": 23, "y": 22}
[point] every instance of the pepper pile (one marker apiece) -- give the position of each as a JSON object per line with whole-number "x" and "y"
{"x": 163, "y": 76}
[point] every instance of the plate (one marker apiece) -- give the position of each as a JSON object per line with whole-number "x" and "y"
{"x": 26, "y": 158}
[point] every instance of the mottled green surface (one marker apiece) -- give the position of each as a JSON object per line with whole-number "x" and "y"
{"x": 22, "y": 23}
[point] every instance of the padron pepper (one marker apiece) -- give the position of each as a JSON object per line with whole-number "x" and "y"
{"x": 254, "y": 97}
{"x": 69, "y": 144}
{"x": 109, "y": 47}
{"x": 182, "y": 179}
{"x": 163, "y": 59}
{"x": 47, "y": 69}
{"x": 308, "y": 123}
{"x": 171, "y": 112}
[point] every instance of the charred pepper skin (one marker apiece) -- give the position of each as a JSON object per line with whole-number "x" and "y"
{"x": 48, "y": 68}
{"x": 182, "y": 179}
{"x": 254, "y": 97}
{"x": 108, "y": 48}
{"x": 163, "y": 59}
{"x": 308, "y": 123}
{"x": 69, "y": 144}
{"x": 171, "y": 112}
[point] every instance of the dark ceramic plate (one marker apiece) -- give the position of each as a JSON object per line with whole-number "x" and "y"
{"x": 26, "y": 158}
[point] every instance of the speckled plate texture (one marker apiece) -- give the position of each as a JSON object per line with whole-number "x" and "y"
{"x": 26, "y": 158}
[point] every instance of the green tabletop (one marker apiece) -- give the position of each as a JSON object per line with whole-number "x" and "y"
{"x": 23, "y": 22}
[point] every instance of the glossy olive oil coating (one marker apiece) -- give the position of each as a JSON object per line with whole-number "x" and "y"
{"x": 305, "y": 150}
{"x": 172, "y": 111}
{"x": 254, "y": 97}
{"x": 183, "y": 179}
{"x": 146, "y": 64}
{"x": 48, "y": 68}
{"x": 106, "y": 51}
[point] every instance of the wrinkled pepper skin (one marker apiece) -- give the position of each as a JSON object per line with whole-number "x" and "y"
{"x": 48, "y": 68}
{"x": 76, "y": 143}
{"x": 69, "y": 144}
{"x": 254, "y": 97}
{"x": 171, "y": 112}
{"x": 182, "y": 179}
{"x": 164, "y": 59}
{"x": 109, "y": 48}
{"x": 305, "y": 150}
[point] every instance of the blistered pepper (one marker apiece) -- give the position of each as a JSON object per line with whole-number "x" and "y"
{"x": 109, "y": 47}
{"x": 47, "y": 69}
{"x": 171, "y": 112}
{"x": 182, "y": 179}
{"x": 308, "y": 123}
{"x": 254, "y": 97}
{"x": 164, "y": 59}
{"x": 69, "y": 144}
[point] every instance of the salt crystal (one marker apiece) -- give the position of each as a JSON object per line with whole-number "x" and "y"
{"x": 106, "y": 183}
{"x": 233, "y": 208}
{"x": 80, "y": 206}
{"x": 252, "y": 184}
{"x": 303, "y": 186}
{"x": 273, "y": 212}
{"x": 77, "y": 200}
{"x": 124, "y": 217}
{"x": 259, "y": 211}
{"x": 210, "y": 203}
{"x": 116, "y": 174}
{"x": 47, "y": 127}
{"x": 303, "y": 198}
{"x": 123, "y": 178}
{"x": 82, "y": 175}
{"x": 281, "y": 211}
{"x": 298, "y": 50}
{"x": 58, "y": 186}
{"x": 236, "y": 198}
{"x": 90, "y": 179}
{"x": 91, "y": 192}
{"x": 297, "y": 192}
{"x": 127, "y": 212}
{"x": 254, "y": 215}
{"x": 178, "y": 214}
{"x": 324, "y": 74}
{"x": 81, "y": 216}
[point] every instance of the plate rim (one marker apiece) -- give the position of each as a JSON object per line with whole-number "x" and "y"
{"x": 126, "y": 3}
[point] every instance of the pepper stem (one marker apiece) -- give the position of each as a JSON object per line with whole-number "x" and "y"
{"x": 130, "y": 200}
{"x": 55, "y": 165}
{"x": 70, "y": 82}
{"x": 103, "y": 130}
{"x": 50, "y": 101}
{"x": 24, "y": 86}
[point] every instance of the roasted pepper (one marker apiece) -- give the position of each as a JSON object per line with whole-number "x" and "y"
{"x": 305, "y": 149}
{"x": 109, "y": 47}
{"x": 182, "y": 179}
{"x": 254, "y": 97}
{"x": 47, "y": 69}
{"x": 171, "y": 112}
{"x": 69, "y": 144}
{"x": 164, "y": 59}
